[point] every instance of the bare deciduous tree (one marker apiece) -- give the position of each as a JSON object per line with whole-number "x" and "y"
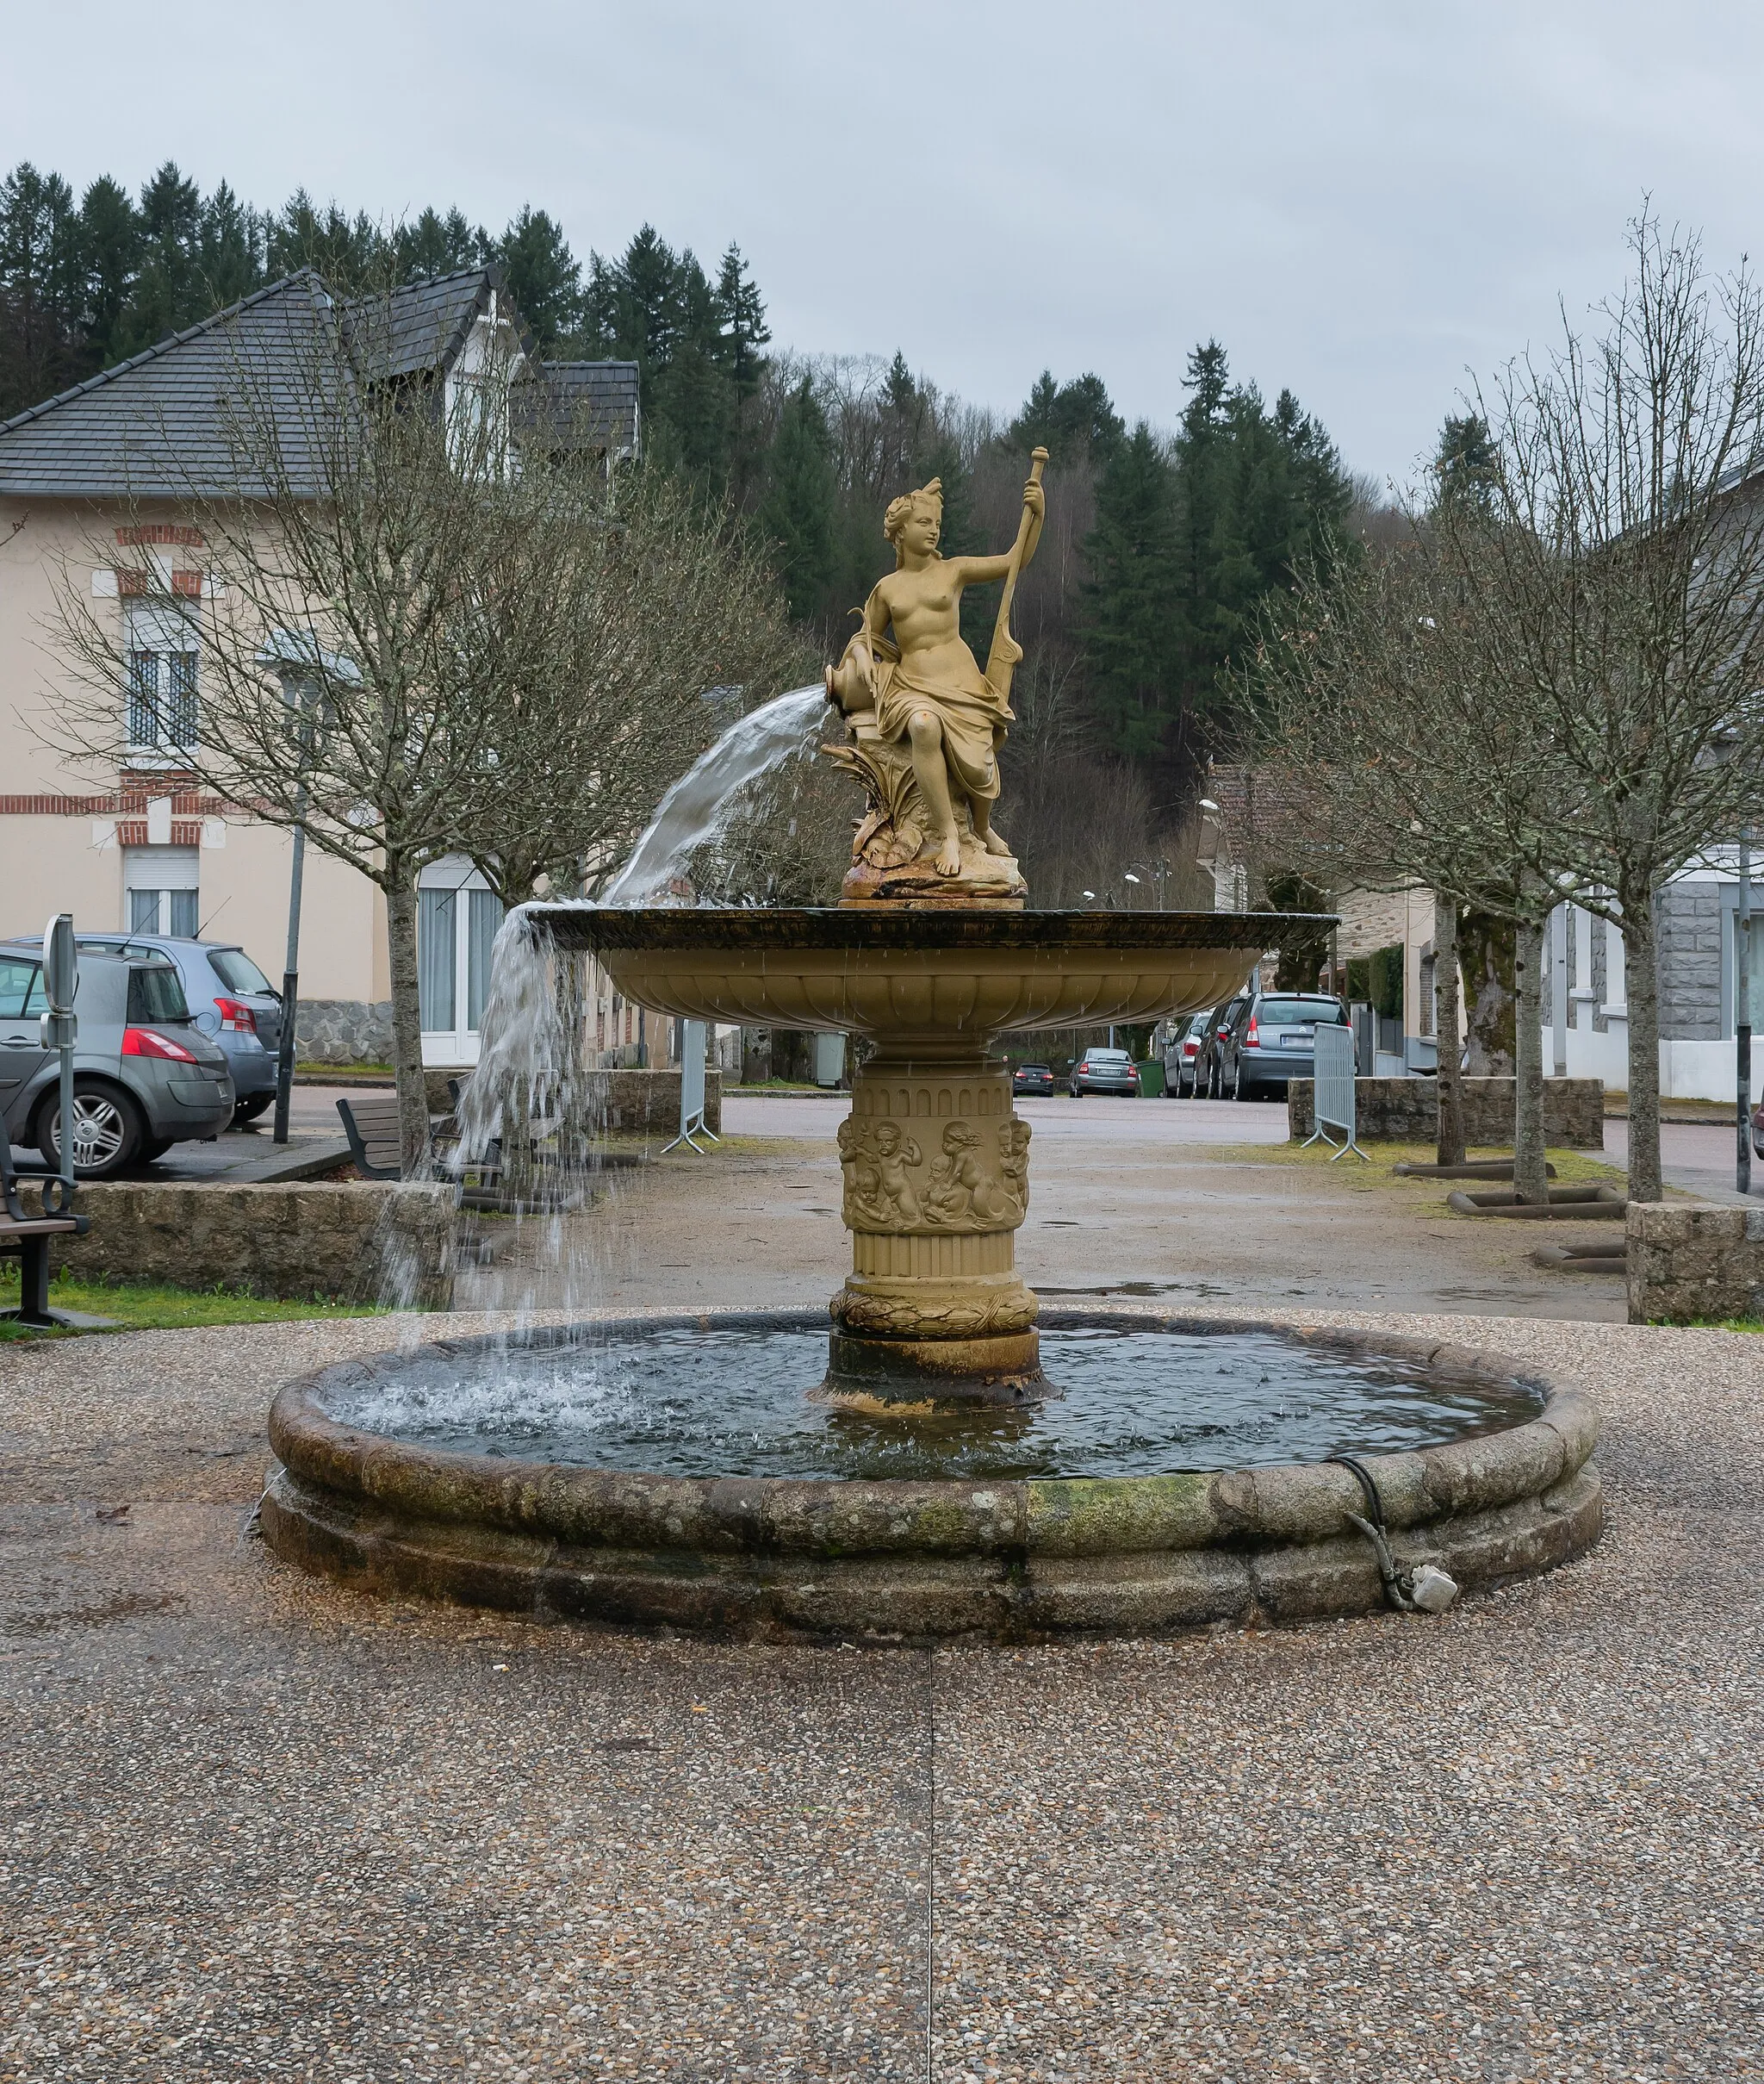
{"x": 1620, "y": 572}
{"x": 493, "y": 668}
{"x": 1373, "y": 695}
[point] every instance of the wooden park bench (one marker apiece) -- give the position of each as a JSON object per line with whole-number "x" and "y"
{"x": 370, "y": 1123}
{"x": 28, "y": 1235}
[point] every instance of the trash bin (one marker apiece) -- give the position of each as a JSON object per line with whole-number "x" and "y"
{"x": 830, "y": 1059}
{"x": 1151, "y": 1079}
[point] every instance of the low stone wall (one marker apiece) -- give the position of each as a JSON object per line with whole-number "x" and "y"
{"x": 361, "y": 1241}
{"x": 1406, "y": 1111}
{"x": 1688, "y": 1264}
{"x": 344, "y": 1031}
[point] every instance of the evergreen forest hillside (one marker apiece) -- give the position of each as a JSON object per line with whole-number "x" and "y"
{"x": 1161, "y": 544}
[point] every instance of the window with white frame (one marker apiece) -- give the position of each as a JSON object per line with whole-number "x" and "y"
{"x": 161, "y": 891}
{"x": 457, "y": 915}
{"x": 164, "y": 712}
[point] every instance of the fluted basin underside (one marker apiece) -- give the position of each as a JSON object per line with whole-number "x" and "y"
{"x": 932, "y": 973}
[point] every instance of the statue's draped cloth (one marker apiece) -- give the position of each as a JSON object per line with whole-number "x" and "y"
{"x": 961, "y": 698}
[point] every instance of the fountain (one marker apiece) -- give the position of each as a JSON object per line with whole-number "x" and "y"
{"x": 928, "y": 1467}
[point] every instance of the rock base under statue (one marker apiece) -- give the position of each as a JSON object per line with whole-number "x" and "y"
{"x": 988, "y": 881}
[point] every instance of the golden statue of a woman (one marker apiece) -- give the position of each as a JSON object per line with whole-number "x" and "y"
{"x": 926, "y": 721}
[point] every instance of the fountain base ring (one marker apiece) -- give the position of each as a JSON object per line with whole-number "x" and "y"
{"x": 781, "y": 1558}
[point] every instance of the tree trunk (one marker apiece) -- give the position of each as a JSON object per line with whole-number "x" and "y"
{"x": 1488, "y": 950}
{"x": 1530, "y": 1179}
{"x": 1642, "y": 981}
{"x": 1448, "y": 1032}
{"x": 406, "y": 1020}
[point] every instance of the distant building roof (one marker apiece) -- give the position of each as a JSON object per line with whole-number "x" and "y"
{"x": 591, "y": 402}
{"x": 1260, "y": 817}
{"x": 158, "y": 426}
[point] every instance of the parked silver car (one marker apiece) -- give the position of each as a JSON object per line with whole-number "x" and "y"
{"x": 145, "y": 1076}
{"x": 230, "y": 1000}
{"x": 1272, "y": 1038}
{"x": 1105, "y": 1070}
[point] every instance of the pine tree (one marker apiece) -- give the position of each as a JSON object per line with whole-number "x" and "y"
{"x": 41, "y": 289}
{"x": 693, "y": 396}
{"x": 1130, "y": 599}
{"x": 1075, "y": 422}
{"x": 796, "y": 514}
{"x": 232, "y": 248}
{"x": 110, "y": 233}
{"x": 544, "y": 277}
{"x": 742, "y": 333}
{"x": 1464, "y": 462}
{"x": 904, "y": 425}
{"x": 169, "y": 292}
{"x": 352, "y": 253}
{"x": 433, "y": 245}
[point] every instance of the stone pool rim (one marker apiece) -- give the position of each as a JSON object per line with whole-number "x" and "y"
{"x": 904, "y": 1559}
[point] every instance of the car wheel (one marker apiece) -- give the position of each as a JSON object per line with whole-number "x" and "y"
{"x": 248, "y": 1111}
{"x": 107, "y": 1131}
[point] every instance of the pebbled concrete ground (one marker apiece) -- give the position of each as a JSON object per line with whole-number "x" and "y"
{"x": 253, "y": 1825}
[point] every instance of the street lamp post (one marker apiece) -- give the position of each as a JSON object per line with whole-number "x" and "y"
{"x": 1742, "y": 1012}
{"x": 305, "y": 671}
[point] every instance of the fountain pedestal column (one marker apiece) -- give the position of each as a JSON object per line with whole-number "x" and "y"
{"x": 936, "y": 1186}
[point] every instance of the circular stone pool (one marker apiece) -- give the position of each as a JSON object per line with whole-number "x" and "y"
{"x": 707, "y": 1400}
{"x": 680, "y": 1473}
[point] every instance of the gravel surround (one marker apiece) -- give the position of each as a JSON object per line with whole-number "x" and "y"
{"x": 788, "y": 1558}
{"x": 256, "y": 1826}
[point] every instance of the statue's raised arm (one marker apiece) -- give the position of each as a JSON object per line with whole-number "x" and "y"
{"x": 925, "y": 723}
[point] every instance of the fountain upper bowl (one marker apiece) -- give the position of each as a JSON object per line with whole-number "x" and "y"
{"x": 946, "y": 971}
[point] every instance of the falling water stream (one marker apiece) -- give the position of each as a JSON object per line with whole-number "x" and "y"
{"x": 701, "y": 803}
{"x": 526, "y": 1042}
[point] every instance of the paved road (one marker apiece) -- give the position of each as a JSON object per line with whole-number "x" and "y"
{"x": 1697, "y": 1156}
{"x": 1185, "y": 1202}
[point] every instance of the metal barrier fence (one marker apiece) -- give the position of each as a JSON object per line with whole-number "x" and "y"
{"x": 693, "y": 1124}
{"x": 1333, "y": 1104}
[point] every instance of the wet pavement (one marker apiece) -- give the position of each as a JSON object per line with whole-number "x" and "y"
{"x": 256, "y": 1826}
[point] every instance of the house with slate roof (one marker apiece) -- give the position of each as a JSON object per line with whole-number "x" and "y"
{"x": 1586, "y": 1003}
{"x": 107, "y": 463}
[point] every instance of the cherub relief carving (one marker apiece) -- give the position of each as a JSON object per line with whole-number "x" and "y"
{"x": 874, "y": 1156}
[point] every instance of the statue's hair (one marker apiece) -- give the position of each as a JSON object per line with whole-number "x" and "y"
{"x": 900, "y": 511}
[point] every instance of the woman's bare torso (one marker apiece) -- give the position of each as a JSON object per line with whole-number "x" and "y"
{"x": 924, "y": 607}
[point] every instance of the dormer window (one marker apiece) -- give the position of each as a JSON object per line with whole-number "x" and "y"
{"x": 476, "y": 394}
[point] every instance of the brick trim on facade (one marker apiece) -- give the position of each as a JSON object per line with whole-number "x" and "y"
{"x": 132, "y": 832}
{"x": 159, "y": 532}
{"x": 133, "y": 802}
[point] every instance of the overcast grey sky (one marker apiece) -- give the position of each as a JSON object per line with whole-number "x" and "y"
{"x": 1359, "y": 200}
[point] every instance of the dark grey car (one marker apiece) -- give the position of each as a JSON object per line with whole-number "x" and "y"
{"x": 230, "y": 1000}
{"x": 1273, "y": 1037}
{"x": 145, "y": 1076}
